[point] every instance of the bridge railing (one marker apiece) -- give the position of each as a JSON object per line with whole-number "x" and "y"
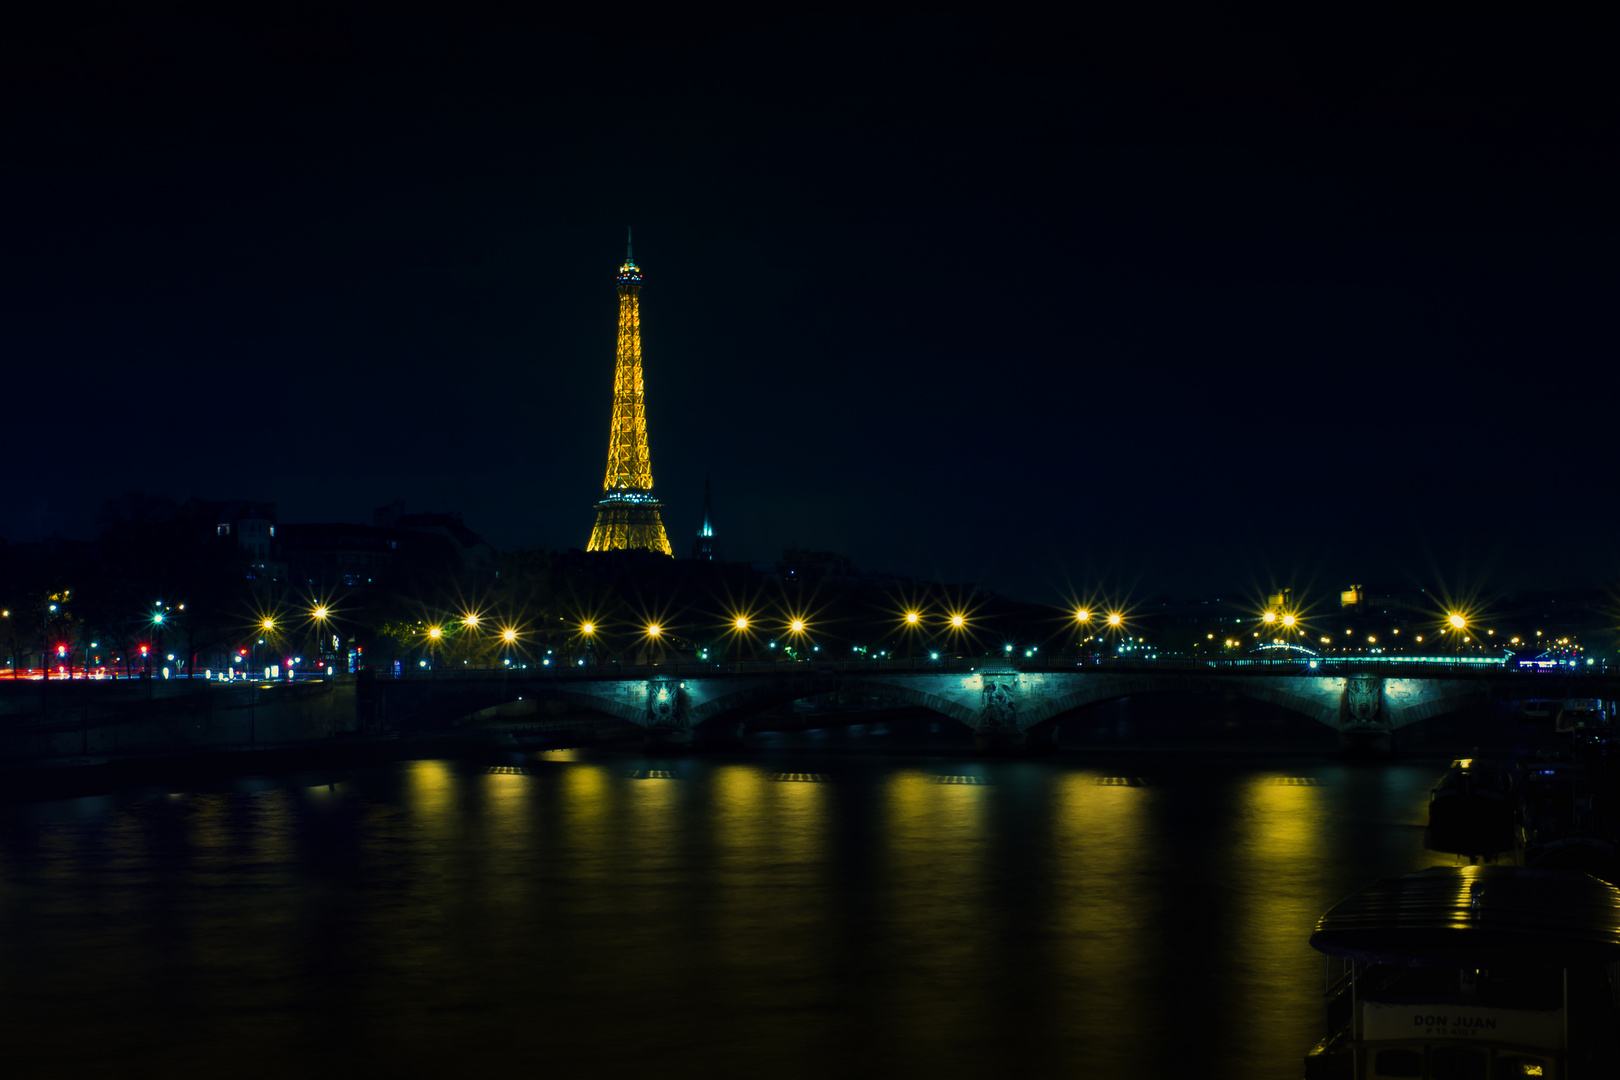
{"x": 1392, "y": 666}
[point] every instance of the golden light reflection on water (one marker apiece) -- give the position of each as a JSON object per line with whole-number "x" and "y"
{"x": 1103, "y": 910}
{"x": 585, "y": 853}
{"x": 1280, "y": 857}
{"x": 770, "y": 871}
{"x": 931, "y": 901}
{"x": 432, "y": 793}
{"x": 651, "y": 834}
{"x": 1027, "y": 919}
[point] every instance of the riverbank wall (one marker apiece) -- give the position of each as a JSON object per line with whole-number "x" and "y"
{"x": 43, "y": 719}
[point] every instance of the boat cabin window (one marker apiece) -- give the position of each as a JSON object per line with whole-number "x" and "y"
{"x": 1513, "y": 1068}
{"x": 1400, "y": 1063}
{"x": 1457, "y": 1063}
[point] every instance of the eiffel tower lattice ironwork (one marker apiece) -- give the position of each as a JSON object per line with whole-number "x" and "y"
{"x": 627, "y": 517}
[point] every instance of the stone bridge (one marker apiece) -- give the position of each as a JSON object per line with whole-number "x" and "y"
{"x": 1001, "y": 704}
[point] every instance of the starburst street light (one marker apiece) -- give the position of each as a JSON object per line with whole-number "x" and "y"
{"x": 958, "y": 621}
{"x": 435, "y": 632}
{"x": 587, "y": 629}
{"x": 1115, "y": 619}
{"x": 913, "y": 618}
{"x": 653, "y": 630}
{"x": 320, "y": 613}
{"x": 470, "y": 621}
{"x": 740, "y": 622}
{"x": 796, "y": 626}
{"x": 1270, "y": 617}
{"x": 267, "y": 625}
{"x": 1289, "y": 621}
{"x": 1457, "y": 621}
{"x": 1082, "y": 616}
{"x": 509, "y": 635}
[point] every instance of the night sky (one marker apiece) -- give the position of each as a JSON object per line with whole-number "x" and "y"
{"x": 1172, "y": 306}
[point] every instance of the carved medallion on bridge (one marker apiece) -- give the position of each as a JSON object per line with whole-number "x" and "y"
{"x": 1362, "y": 699}
{"x": 998, "y": 701}
{"x": 664, "y": 704}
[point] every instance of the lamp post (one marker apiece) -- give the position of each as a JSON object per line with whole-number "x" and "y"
{"x": 266, "y": 626}
{"x": 911, "y": 622}
{"x": 589, "y": 631}
{"x": 469, "y": 623}
{"x": 434, "y": 635}
{"x": 158, "y": 624}
{"x": 320, "y": 614}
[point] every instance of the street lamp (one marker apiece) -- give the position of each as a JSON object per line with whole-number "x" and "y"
{"x": 320, "y": 614}
{"x": 435, "y": 634}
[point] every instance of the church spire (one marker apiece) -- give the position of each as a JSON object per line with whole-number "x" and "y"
{"x": 705, "y": 546}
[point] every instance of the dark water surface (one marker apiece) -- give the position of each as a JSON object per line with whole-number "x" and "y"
{"x": 782, "y": 914}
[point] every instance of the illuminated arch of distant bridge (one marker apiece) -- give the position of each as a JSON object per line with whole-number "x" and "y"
{"x": 991, "y": 699}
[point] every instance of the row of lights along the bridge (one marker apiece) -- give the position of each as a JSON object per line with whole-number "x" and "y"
{"x": 743, "y": 623}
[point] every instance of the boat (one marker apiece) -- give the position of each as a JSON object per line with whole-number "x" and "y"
{"x": 1561, "y": 823}
{"x": 1471, "y": 809}
{"x": 1581, "y": 717}
{"x": 1472, "y": 973}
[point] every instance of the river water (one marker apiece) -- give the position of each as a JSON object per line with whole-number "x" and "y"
{"x": 785, "y": 912}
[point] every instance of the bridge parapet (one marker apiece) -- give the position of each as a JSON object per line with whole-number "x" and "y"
{"x": 992, "y": 700}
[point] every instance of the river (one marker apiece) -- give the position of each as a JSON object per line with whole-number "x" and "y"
{"x": 785, "y": 910}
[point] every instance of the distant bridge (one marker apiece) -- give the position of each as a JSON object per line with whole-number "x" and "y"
{"x": 1001, "y": 703}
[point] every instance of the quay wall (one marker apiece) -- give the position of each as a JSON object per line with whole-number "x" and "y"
{"x": 57, "y": 718}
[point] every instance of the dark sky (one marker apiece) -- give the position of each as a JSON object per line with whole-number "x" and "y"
{"x": 1157, "y": 307}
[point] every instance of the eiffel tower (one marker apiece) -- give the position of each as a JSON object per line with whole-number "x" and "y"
{"x": 627, "y": 517}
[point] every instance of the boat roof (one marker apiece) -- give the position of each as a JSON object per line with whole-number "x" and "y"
{"x": 1477, "y": 916}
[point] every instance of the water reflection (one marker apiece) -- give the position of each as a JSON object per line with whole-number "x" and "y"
{"x": 605, "y": 915}
{"x": 933, "y": 926}
{"x": 1104, "y": 908}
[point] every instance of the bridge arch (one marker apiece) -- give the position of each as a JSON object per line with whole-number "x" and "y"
{"x": 1309, "y": 702}
{"x": 735, "y": 704}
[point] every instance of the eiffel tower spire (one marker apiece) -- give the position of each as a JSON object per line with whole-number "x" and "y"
{"x": 627, "y": 517}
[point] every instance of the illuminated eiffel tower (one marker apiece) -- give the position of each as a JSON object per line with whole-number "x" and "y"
{"x": 627, "y": 517}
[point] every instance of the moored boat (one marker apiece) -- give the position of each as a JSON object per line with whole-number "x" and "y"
{"x": 1562, "y": 822}
{"x": 1471, "y": 809}
{"x": 1472, "y": 973}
